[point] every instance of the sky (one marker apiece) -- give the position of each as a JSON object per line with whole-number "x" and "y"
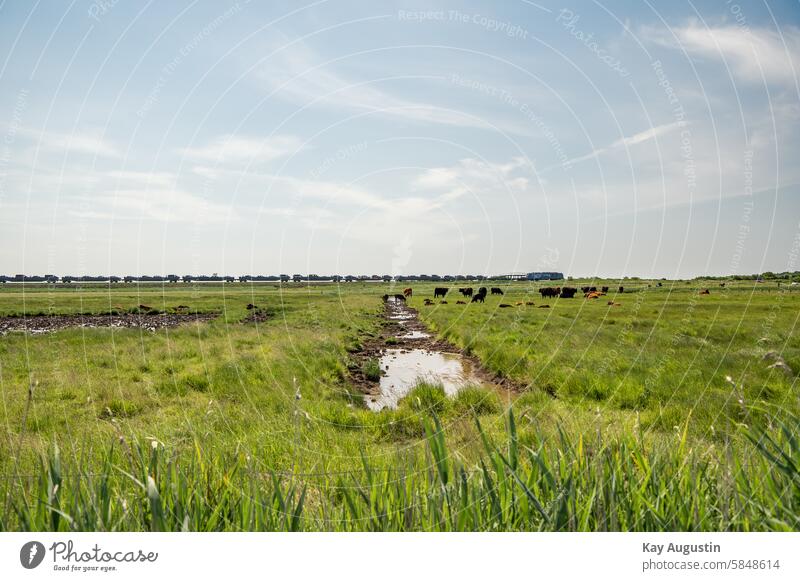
{"x": 653, "y": 139}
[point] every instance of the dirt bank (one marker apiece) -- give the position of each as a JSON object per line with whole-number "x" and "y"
{"x": 151, "y": 322}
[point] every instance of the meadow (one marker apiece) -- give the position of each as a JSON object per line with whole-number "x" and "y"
{"x": 663, "y": 413}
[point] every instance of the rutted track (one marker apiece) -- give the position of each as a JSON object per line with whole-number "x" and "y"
{"x": 408, "y": 352}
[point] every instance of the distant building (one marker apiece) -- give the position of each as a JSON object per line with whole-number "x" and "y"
{"x": 545, "y": 276}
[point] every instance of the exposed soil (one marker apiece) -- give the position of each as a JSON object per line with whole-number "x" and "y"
{"x": 256, "y": 315}
{"x": 151, "y": 322}
{"x": 405, "y": 347}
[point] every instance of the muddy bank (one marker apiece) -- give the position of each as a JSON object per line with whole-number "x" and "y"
{"x": 38, "y": 324}
{"x": 406, "y": 353}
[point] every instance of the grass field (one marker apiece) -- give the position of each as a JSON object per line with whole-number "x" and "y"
{"x": 661, "y": 413}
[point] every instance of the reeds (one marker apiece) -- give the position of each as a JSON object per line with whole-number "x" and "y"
{"x": 559, "y": 484}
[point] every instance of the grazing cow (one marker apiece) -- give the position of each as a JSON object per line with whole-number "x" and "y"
{"x": 621, "y": 289}
{"x": 568, "y": 292}
{"x": 584, "y": 289}
{"x": 497, "y": 291}
{"x": 705, "y": 291}
{"x": 399, "y": 297}
{"x": 439, "y": 292}
{"x": 467, "y": 292}
{"x": 604, "y": 289}
{"x": 478, "y": 298}
{"x": 460, "y": 303}
{"x": 505, "y": 306}
{"x": 482, "y": 290}
{"x": 549, "y": 291}
{"x": 408, "y": 292}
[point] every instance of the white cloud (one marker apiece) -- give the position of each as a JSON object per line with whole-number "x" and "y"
{"x": 165, "y": 205}
{"x": 76, "y": 143}
{"x": 297, "y": 77}
{"x": 476, "y": 177}
{"x": 236, "y": 148}
{"x": 625, "y": 142}
{"x": 750, "y": 52}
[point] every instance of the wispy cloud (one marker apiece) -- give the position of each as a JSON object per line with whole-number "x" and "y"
{"x": 165, "y": 205}
{"x": 477, "y": 178}
{"x": 237, "y": 148}
{"x": 299, "y": 77}
{"x": 625, "y": 142}
{"x": 754, "y": 54}
{"x": 89, "y": 143}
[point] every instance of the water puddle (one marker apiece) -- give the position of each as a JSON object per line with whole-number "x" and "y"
{"x": 403, "y": 369}
{"x": 415, "y": 335}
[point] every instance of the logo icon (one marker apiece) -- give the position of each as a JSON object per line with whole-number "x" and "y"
{"x": 31, "y": 554}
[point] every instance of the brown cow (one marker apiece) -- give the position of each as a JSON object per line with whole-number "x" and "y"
{"x": 408, "y": 292}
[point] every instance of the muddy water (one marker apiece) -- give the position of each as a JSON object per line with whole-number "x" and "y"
{"x": 416, "y": 356}
{"x": 403, "y": 369}
{"x": 415, "y": 335}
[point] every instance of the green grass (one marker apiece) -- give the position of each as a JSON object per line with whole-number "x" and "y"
{"x": 562, "y": 485}
{"x": 629, "y": 408}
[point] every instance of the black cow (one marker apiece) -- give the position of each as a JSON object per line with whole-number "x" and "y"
{"x": 549, "y": 291}
{"x": 497, "y": 291}
{"x": 482, "y": 291}
{"x": 621, "y": 289}
{"x": 604, "y": 289}
{"x": 584, "y": 289}
{"x": 439, "y": 292}
{"x": 568, "y": 292}
{"x": 467, "y": 292}
{"x": 478, "y": 298}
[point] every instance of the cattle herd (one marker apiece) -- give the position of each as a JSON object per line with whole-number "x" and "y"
{"x": 567, "y": 292}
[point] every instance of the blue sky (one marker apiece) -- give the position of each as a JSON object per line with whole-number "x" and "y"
{"x": 640, "y": 139}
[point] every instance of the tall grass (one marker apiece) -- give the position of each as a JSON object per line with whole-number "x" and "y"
{"x": 560, "y": 484}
